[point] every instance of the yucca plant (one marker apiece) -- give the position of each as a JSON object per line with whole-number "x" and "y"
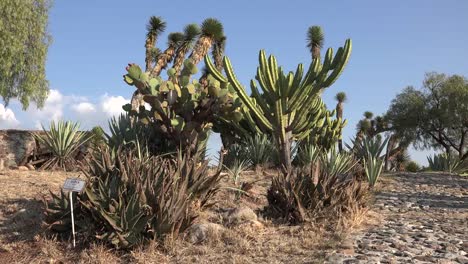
{"x": 373, "y": 167}
{"x": 64, "y": 141}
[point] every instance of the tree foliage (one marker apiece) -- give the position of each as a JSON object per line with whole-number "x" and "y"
{"x": 435, "y": 115}
{"x": 24, "y": 41}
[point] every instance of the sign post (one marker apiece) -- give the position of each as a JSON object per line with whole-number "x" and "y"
{"x": 73, "y": 185}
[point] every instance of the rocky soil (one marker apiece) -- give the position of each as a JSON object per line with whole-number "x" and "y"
{"x": 423, "y": 218}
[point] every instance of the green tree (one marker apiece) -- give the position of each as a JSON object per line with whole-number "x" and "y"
{"x": 434, "y": 116}
{"x": 24, "y": 41}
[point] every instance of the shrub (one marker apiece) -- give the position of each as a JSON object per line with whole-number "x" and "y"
{"x": 130, "y": 199}
{"x": 296, "y": 198}
{"x": 64, "y": 141}
{"x": 412, "y": 167}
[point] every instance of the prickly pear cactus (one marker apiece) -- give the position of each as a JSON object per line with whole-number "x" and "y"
{"x": 181, "y": 109}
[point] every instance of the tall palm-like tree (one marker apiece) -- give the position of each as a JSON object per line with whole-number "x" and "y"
{"x": 155, "y": 27}
{"x": 341, "y": 98}
{"x": 174, "y": 41}
{"x": 191, "y": 32}
{"x": 315, "y": 40}
{"x": 368, "y": 115}
{"x": 211, "y": 31}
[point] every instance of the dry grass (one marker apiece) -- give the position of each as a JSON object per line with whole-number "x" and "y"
{"x": 22, "y": 239}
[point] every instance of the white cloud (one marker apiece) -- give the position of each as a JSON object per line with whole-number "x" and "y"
{"x": 112, "y": 105}
{"x": 7, "y": 118}
{"x": 84, "y": 108}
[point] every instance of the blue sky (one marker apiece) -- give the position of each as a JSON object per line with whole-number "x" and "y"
{"x": 394, "y": 44}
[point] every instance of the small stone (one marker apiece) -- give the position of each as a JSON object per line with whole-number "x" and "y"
{"x": 23, "y": 168}
{"x": 240, "y": 215}
{"x": 199, "y": 233}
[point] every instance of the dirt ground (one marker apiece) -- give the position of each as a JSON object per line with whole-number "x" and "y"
{"x": 22, "y": 237}
{"x": 410, "y": 203}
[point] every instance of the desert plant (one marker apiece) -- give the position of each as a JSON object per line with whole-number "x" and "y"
{"x": 366, "y": 146}
{"x": 306, "y": 154}
{"x": 448, "y": 163}
{"x": 64, "y": 141}
{"x": 340, "y": 98}
{"x": 296, "y": 198}
{"x": 98, "y": 137}
{"x": 130, "y": 199}
{"x": 289, "y": 107}
{"x": 373, "y": 167}
{"x": 400, "y": 160}
{"x": 336, "y": 163}
{"x": 236, "y": 170}
{"x": 259, "y": 150}
{"x": 412, "y": 166}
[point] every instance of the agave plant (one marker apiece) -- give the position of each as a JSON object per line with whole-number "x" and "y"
{"x": 298, "y": 198}
{"x": 136, "y": 199}
{"x": 64, "y": 141}
{"x": 336, "y": 163}
{"x": 444, "y": 162}
{"x": 373, "y": 167}
{"x": 260, "y": 150}
{"x": 368, "y": 145}
{"x": 306, "y": 154}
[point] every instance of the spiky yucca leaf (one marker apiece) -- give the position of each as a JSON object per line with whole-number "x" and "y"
{"x": 63, "y": 140}
{"x": 213, "y": 28}
{"x": 156, "y": 25}
{"x": 368, "y": 114}
{"x": 341, "y": 97}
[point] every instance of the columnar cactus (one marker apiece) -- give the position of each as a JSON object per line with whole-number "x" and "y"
{"x": 289, "y": 105}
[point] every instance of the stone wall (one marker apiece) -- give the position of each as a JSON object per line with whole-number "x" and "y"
{"x": 15, "y": 145}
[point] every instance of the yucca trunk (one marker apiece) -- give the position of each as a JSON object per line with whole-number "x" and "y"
{"x": 163, "y": 60}
{"x": 204, "y": 43}
{"x": 315, "y": 52}
{"x": 179, "y": 59}
{"x": 148, "y": 45}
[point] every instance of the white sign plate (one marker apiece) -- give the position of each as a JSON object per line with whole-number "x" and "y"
{"x": 74, "y": 184}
